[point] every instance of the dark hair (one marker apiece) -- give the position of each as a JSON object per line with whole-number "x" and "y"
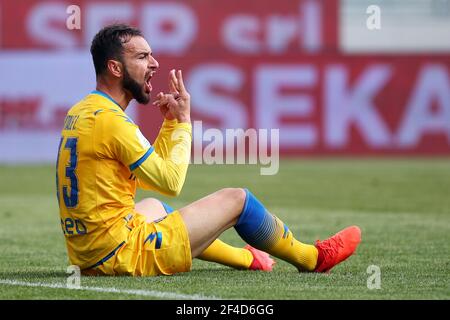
{"x": 108, "y": 44}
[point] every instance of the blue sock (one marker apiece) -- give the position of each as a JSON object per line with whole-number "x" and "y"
{"x": 266, "y": 232}
{"x": 257, "y": 226}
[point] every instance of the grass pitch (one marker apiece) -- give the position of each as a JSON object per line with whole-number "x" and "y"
{"x": 402, "y": 207}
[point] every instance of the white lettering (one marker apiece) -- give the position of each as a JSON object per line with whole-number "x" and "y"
{"x": 74, "y": 280}
{"x": 99, "y": 15}
{"x": 240, "y": 135}
{"x": 433, "y": 85}
{"x": 213, "y": 152}
{"x": 271, "y": 105}
{"x": 345, "y": 106}
{"x": 276, "y": 34}
{"x": 373, "y": 22}
{"x": 39, "y": 25}
{"x": 204, "y": 79}
{"x": 73, "y": 21}
{"x": 374, "y": 280}
{"x": 240, "y": 33}
{"x": 274, "y": 158}
{"x": 281, "y": 31}
{"x": 171, "y": 27}
{"x": 312, "y": 26}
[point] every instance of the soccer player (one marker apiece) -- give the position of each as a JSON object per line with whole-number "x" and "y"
{"x": 103, "y": 157}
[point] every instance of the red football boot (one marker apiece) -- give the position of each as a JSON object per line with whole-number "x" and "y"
{"x": 261, "y": 260}
{"x": 336, "y": 249}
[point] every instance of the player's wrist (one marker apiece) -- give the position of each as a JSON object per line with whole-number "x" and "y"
{"x": 184, "y": 119}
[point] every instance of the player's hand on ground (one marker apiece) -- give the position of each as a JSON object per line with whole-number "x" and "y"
{"x": 177, "y": 103}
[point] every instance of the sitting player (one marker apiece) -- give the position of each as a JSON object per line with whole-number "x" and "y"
{"x": 103, "y": 157}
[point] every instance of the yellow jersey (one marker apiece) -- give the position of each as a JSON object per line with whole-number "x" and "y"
{"x": 102, "y": 158}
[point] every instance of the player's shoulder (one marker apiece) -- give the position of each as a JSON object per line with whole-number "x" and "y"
{"x": 100, "y": 104}
{"x": 112, "y": 117}
{"x": 106, "y": 111}
{"x": 90, "y": 103}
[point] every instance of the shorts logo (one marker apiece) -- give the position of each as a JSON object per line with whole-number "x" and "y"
{"x": 152, "y": 236}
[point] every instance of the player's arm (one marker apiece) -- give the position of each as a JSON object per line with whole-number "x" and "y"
{"x": 173, "y": 144}
{"x": 166, "y": 174}
{"x": 175, "y": 107}
{"x": 120, "y": 139}
{"x": 164, "y": 141}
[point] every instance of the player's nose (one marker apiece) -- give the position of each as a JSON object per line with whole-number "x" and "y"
{"x": 154, "y": 64}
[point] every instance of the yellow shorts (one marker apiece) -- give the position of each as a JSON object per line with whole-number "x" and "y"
{"x": 158, "y": 248}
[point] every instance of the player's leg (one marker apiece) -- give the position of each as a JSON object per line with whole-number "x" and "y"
{"x": 207, "y": 218}
{"x": 218, "y": 251}
{"x": 151, "y": 208}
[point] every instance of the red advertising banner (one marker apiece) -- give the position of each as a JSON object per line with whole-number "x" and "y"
{"x": 177, "y": 27}
{"x": 263, "y": 64}
{"x": 323, "y": 104}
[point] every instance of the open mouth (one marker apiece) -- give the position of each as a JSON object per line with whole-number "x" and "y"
{"x": 148, "y": 84}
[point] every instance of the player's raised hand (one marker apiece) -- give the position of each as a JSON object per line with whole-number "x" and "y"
{"x": 163, "y": 107}
{"x": 177, "y": 103}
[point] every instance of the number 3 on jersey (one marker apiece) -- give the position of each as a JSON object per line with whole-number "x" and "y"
{"x": 70, "y": 199}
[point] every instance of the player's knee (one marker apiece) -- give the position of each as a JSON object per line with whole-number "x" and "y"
{"x": 149, "y": 205}
{"x": 237, "y": 195}
{"x": 150, "y": 202}
{"x": 240, "y": 195}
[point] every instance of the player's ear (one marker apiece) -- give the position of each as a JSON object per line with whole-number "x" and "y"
{"x": 115, "y": 67}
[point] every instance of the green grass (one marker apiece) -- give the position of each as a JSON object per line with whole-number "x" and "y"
{"x": 402, "y": 206}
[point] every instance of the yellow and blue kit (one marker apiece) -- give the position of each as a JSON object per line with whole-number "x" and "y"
{"x": 102, "y": 158}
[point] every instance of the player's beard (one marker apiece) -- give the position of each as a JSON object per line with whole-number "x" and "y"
{"x": 136, "y": 89}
